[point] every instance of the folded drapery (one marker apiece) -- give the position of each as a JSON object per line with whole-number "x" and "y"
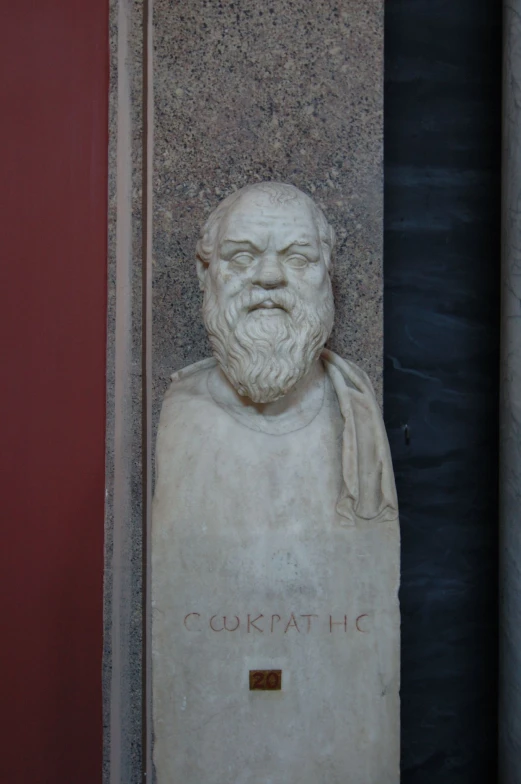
{"x": 369, "y": 492}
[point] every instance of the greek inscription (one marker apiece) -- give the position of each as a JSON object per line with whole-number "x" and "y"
{"x": 307, "y": 623}
{"x": 225, "y": 626}
{"x": 309, "y": 616}
{"x": 212, "y": 627}
{"x": 188, "y": 624}
{"x": 359, "y": 623}
{"x": 292, "y": 623}
{"x": 252, "y": 623}
{"x": 337, "y": 623}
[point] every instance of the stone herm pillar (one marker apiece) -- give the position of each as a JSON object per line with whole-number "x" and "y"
{"x": 275, "y": 536}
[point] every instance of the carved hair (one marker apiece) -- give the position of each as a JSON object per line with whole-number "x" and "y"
{"x": 278, "y": 193}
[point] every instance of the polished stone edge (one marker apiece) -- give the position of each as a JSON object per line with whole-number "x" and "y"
{"x": 510, "y": 414}
{"x": 122, "y": 644}
{"x": 147, "y": 387}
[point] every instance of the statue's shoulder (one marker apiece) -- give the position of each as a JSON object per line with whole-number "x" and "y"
{"x": 191, "y": 374}
{"x": 189, "y": 383}
{"x": 186, "y": 410}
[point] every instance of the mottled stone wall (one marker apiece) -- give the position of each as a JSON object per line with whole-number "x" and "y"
{"x": 510, "y": 542}
{"x": 288, "y": 91}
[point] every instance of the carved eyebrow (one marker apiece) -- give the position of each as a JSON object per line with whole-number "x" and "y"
{"x": 243, "y": 243}
{"x": 299, "y": 243}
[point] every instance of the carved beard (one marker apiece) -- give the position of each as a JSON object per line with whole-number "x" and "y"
{"x": 265, "y": 355}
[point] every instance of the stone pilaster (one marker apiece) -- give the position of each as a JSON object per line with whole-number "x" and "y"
{"x": 510, "y": 476}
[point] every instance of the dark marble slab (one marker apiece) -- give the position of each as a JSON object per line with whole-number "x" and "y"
{"x": 441, "y": 275}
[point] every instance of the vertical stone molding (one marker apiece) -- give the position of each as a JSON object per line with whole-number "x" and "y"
{"x": 122, "y": 654}
{"x": 510, "y": 471}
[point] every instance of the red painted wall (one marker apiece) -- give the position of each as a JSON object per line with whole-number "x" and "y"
{"x": 53, "y": 227}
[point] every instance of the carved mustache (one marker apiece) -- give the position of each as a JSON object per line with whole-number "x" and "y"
{"x": 253, "y": 300}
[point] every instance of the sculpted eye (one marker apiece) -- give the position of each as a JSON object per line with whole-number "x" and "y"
{"x": 297, "y": 260}
{"x": 242, "y": 259}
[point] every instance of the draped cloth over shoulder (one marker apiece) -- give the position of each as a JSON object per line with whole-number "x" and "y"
{"x": 368, "y": 494}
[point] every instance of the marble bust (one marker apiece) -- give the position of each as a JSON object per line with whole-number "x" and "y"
{"x": 275, "y": 526}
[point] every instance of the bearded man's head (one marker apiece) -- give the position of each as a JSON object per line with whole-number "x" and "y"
{"x": 264, "y": 260}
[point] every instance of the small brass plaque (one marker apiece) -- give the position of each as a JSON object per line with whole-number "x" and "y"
{"x": 265, "y": 680}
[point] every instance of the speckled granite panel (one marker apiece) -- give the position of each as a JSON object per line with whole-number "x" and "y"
{"x": 290, "y": 91}
{"x": 121, "y": 675}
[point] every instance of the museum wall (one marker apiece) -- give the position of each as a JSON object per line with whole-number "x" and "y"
{"x": 54, "y": 63}
{"x": 235, "y": 93}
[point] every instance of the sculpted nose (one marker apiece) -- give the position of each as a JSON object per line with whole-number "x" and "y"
{"x": 269, "y": 273}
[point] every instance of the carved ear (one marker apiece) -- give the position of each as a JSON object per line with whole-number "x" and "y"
{"x": 332, "y": 247}
{"x": 202, "y": 269}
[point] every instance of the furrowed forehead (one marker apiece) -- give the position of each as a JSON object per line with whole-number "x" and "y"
{"x": 289, "y": 223}
{"x": 258, "y": 205}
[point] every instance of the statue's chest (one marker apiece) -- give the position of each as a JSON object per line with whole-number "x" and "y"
{"x": 246, "y": 479}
